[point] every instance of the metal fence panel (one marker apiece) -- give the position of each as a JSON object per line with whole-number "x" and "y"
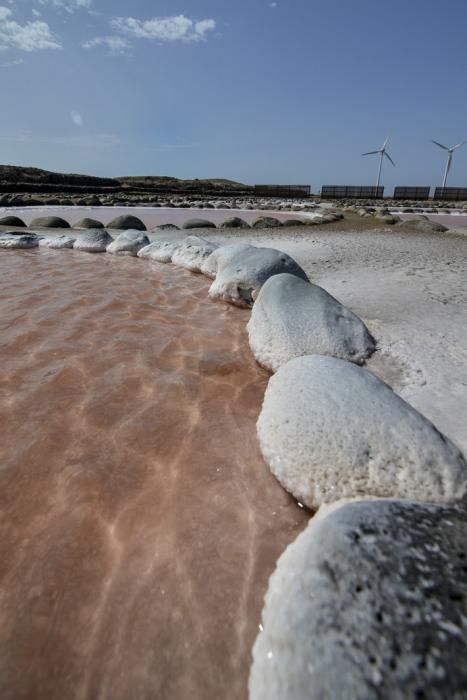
{"x": 282, "y": 190}
{"x": 411, "y": 193}
{"x": 351, "y": 192}
{"x": 455, "y": 194}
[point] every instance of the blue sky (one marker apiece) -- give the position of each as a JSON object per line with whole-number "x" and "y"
{"x": 253, "y": 90}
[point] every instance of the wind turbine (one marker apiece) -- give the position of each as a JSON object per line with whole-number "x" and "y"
{"x": 383, "y": 152}
{"x": 450, "y": 154}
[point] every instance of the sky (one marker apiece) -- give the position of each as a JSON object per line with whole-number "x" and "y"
{"x": 260, "y": 91}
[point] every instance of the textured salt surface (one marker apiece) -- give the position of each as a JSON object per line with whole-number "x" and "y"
{"x": 139, "y": 523}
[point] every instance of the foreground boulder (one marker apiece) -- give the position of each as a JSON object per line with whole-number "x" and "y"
{"x": 49, "y": 222}
{"x": 88, "y": 223}
{"x": 222, "y": 256}
{"x": 128, "y": 243}
{"x": 424, "y": 225}
{"x": 192, "y": 252}
{"x": 160, "y": 251}
{"x": 23, "y": 240}
{"x": 93, "y": 241}
{"x": 127, "y": 223}
{"x": 198, "y": 223}
{"x": 57, "y": 242}
{"x": 329, "y": 429}
{"x": 369, "y": 603}
{"x": 241, "y": 271}
{"x": 12, "y": 221}
{"x": 292, "y": 317}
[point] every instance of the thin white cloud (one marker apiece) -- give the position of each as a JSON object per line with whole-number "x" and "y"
{"x": 11, "y": 64}
{"x": 32, "y": 36}
{"x": 77, "y": 118}
{"x": 68, "y": 5}
{"x": 169, "y": 29}
{"x": 35, "y": 12}
{"x": 117, "y": 45}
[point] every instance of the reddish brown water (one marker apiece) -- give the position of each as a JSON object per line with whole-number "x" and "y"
{"x": 139, "y": 524}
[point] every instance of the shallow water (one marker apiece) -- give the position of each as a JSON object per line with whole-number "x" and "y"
{"x": 139, "y": 522}
{"x": 151, "y": 216}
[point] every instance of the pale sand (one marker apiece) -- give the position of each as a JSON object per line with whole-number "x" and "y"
{"x": 410, "y": 289}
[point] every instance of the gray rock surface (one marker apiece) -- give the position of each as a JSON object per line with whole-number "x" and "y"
{"x": 11, "y": 221}
{"x": 93, "y": 241}
{"x": 292, "y": 317}
{"x": 128, "y": 243}
{"x": 266, "y": 222}
{"x": 57, "y": 242}
{"x": 88, "y": 223}
{"x": 198, "y": 223}
{"x": 160, "y": 251}
{"x": 222, "y": 256}
{"x": 369, "y": 603}
{"x": 424, "y": 225}
{"x": 192, "y": 252}
{"x": 167, "y": 227}
{"x": 234, "y": 222}
{"x": 49, "y": 222}
{"x": 23, "y": 240}
{"x": 126, "y": 222}
{"x": 329, "y": 430}
{"x": 241, "y": 271}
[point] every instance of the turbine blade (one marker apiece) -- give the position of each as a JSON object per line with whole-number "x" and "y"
{"x": 441, "y": 145}
{"x": 462, "y": 143}
{"x": 389, "y": 158}
{"x": 449, "y": 163}
{"x": 370, "y": 153}
{"x": 385, "y": 143}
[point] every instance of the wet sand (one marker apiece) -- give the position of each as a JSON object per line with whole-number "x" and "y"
{"x": 139, "y": 522}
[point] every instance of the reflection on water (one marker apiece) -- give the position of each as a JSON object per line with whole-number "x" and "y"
{"x": 139, "y": 523}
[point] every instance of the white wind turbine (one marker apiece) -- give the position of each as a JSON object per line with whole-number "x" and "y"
{"x": 450, "y": 154}
{"x": 383, "y": 152}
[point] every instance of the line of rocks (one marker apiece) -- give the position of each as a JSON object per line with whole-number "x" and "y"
{"x": 370, "y": 601}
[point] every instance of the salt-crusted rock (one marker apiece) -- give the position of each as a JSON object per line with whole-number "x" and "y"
{"x": 57, "y": 242}
{"x": 11, "y": 221}
{"x": 267, "y": 222}
{"x": 292, "y": 317}
{"x": 293, "y": 222}
{"x": 242, "y": 271}
{"x": 198, "y": 223}
{"x": 234, "y": 222}
{"x": 160, "y": 251}
{"x": 128, "y": 243}
{"x": 369, "y": 603}
{"x": 88, "y": 223}
{"x": 329, "y": 429}
{"x": 424, "y": 225}
{"x": 127, "y": 222}
{"x": 222, "y": 256}
{"x": 93, "y": 241}
{"x": 49, "y": 222}
{"x": 192, "y": 252}
{"x": 23, "y": 240}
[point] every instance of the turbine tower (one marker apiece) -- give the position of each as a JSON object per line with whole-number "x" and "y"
{"x": 383, "y": 152}
{"x": 450, "y": 154}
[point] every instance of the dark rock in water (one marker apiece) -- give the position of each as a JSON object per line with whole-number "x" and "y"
{"x": 198, "y": 223}
{"x": 370, "y": 602}
{"x": 267, "y": 222}
{"x": 88, "y": 223}
{"x": 49, "y": 222}
{"x": 11, "y": 221}
{"x": 294, "y": 222}
{"x": 234, "y": 222}
{"x": 126, "y": 223}
{"x": 167, "y": 227}
{"x": 22, "y": 240}
{"x": 93, "y": 241}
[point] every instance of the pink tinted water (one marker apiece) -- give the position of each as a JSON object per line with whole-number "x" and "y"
{"x": 139, "y": 522}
